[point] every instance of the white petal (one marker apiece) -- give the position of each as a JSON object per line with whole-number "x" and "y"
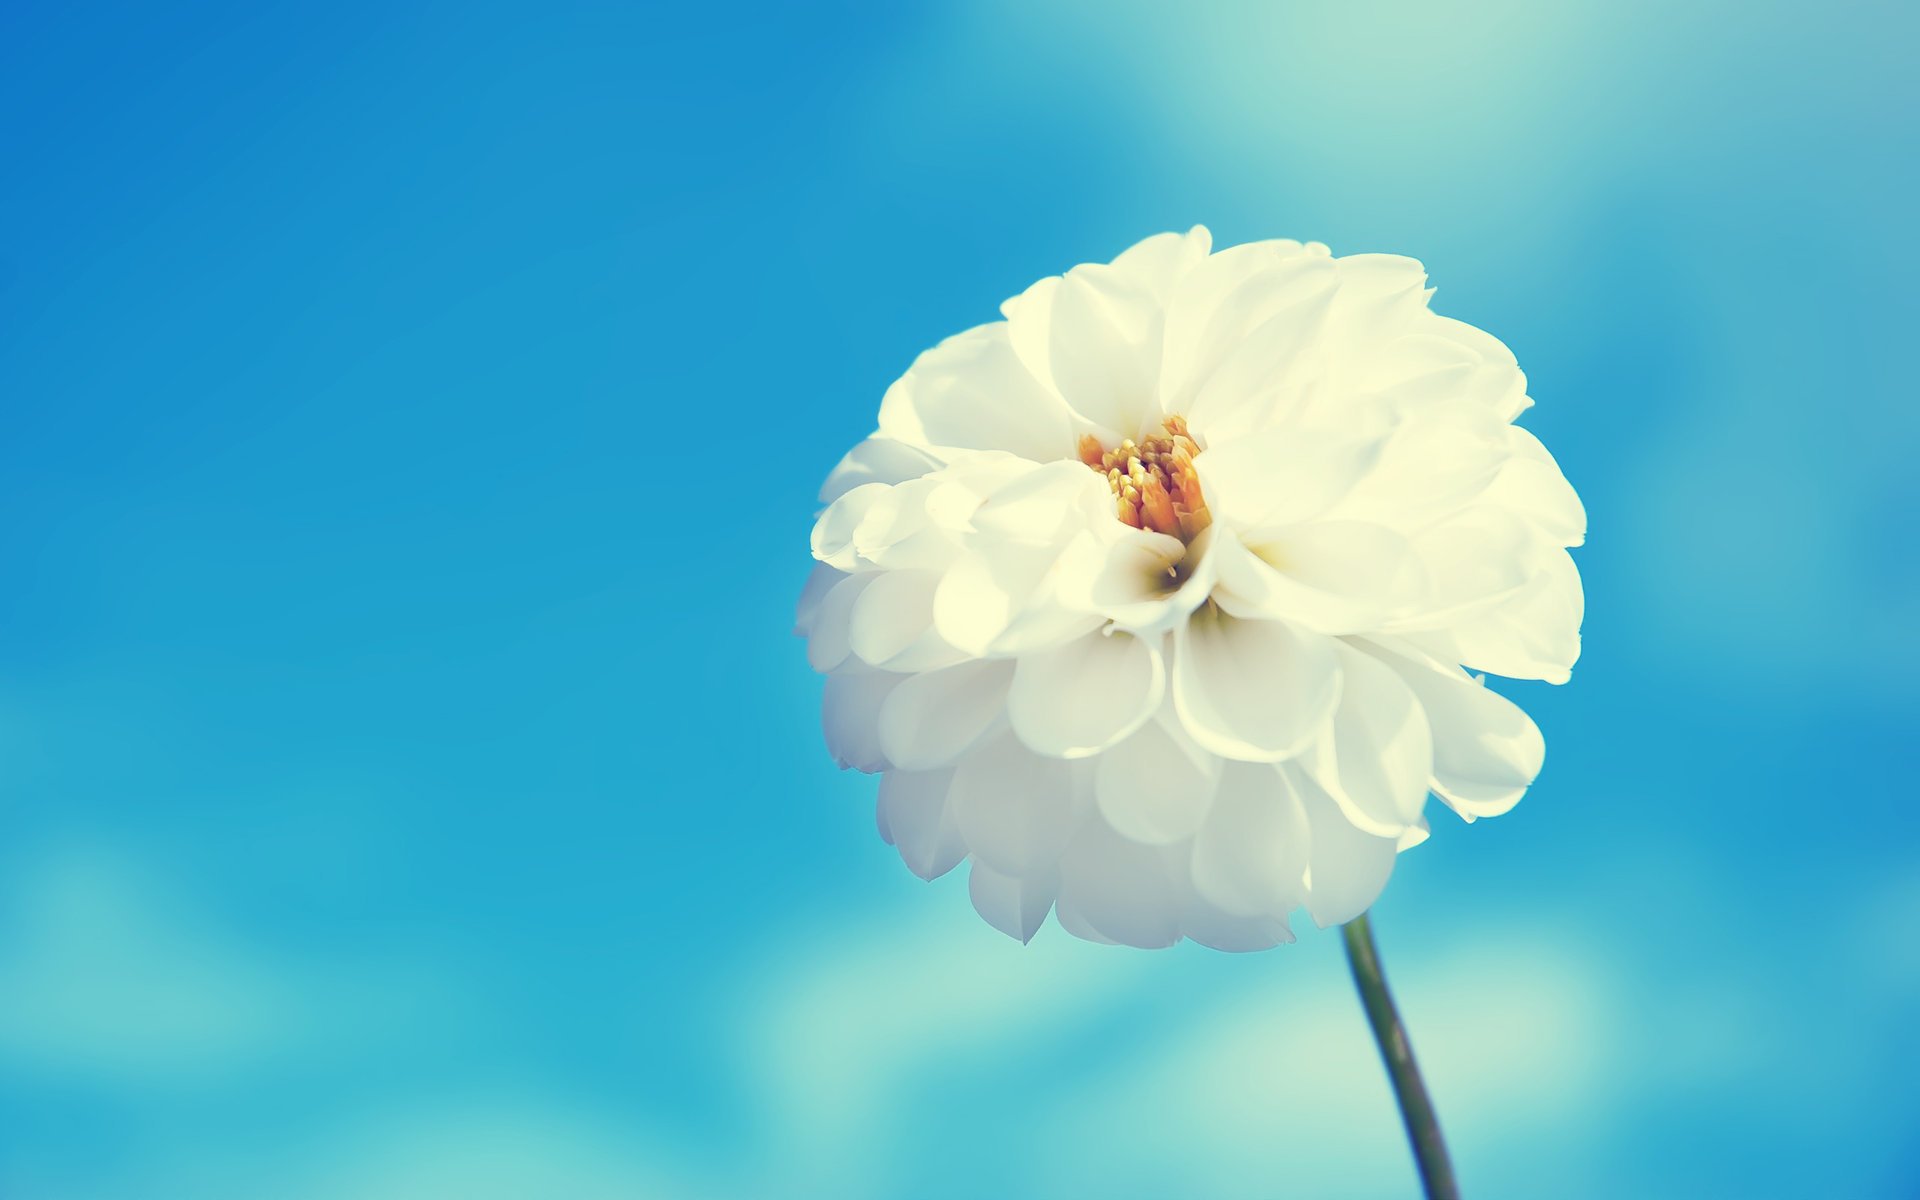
{"x": 850, "y": 717}
{"x": 1474, "y": 561}
{"x": 1104, "y": 349}
{"x": 914, "y": 811}
{"x": 1005, "y": 600}
{"x": 1486, "y": 751}
{"x": 1015, "y": 808}
{"x": 833, "y": 533}
{"x": 876, "y": 460}
{"x": 828, "y": 639}
{"x": 931, "y": 718}
{"x": 1095, "y": 333}
{"x": 1346, "y": 868}
{"x": 1124, "y": 891}
{"x": 1216, "y": 930}
{"x": 1284, "y": 477}
{"x": 1076, "y": 925}
{"x": 972, "y": 392}
{"x": 899, "y": 530}
{"x": 1266, "y": 378}
{"x": 1379, "y": 757}
{"x": 1142, "y": 581}
{"x": 1250, "y": 855}
{"x": 1259, "y": 691}
{"x": 820, "y": 581}
{"x": 1532, "y": 485}
{"x": 1045, "y": 504}
{"x": 982, "y": 591}
{"x": 1156, "y": 786}
{"x": 1430, "y": 466}
{"x": 1214, "y": 307}
{"x": 1332, "y": 577}
{"x": 1014, "y": 905}
{"x": 1380, "y": 297}
{"x": 1159, "y": 264}
{"x": 1533, "y": 634}
{"x": 891, "y": 625}
{"x": 1082, "y": 697}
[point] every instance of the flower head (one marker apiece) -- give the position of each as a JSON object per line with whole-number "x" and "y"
{"x": 1158, "y": 599}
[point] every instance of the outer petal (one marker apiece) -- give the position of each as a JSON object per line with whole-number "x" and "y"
{"x": 1346, "y": 868}
{"x": 1474, "y": 561}
{"x": 877, "y": 460}
{"x": 1259, "y": 691}
{"x": 1216, "y": 930}
{"x": 850, "y": 717}
{"x": 1250, "y": 856}
{"x": 891, "y": 625}
{"x": 1379, "y": 757}
{"x": 828, "y": 636}
{"x": 932, "y": 718}
{"x": 914, "y": 812}
{"x": 820, "y": 581}
{"x": 1486, "y": 751}
{"x": 1531, "y": 484}
{"x": 1006, "y": 599}
{"x": 1123, "y": 891}
{"x": 833, "y": 533}
{"x": 972, "y": 392}
{"x": 1430, "y": 466}
{"x": 1015, "y": 808}
{"x": 1156, "y": 786}
{"x": 1533, "y": 634}
{"x": 1082, "y": 697}
{"x": 1015, "y": 906}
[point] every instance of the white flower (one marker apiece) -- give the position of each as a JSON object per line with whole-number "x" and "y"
{"x": 1153, "y": 599}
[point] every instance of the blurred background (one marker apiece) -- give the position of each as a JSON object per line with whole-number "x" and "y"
{"x": 412, "y": 416}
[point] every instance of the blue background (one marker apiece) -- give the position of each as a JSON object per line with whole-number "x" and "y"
{"x": 411, "y": 787}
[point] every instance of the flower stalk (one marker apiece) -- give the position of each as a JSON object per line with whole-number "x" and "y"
{"x": 1416, "y": 1107}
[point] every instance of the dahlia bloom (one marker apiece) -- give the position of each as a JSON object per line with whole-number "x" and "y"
{"x": 1157, "y": 600}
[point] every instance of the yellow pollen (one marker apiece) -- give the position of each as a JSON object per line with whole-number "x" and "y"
{"x": 1154, "y": 484}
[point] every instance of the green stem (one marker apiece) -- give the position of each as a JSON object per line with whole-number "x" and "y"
{"x": 1423, "y": 1127}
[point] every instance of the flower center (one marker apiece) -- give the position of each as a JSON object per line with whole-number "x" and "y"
{"x": 1153, "y": 481}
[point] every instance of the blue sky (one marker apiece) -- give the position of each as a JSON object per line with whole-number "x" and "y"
{"x": 411, "y": 785}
